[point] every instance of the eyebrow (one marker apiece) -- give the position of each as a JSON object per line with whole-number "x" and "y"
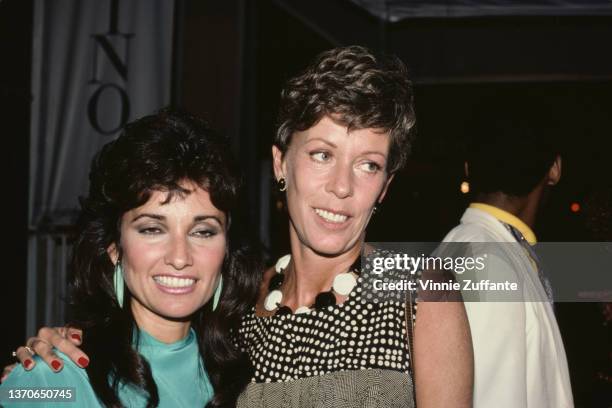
{"x": 320, "y": 139}
{"x": 206, "y": 217}
{"x": 375, "y": 152}
{"x": 158, "y": 217}
{"x": 384, "y": 156}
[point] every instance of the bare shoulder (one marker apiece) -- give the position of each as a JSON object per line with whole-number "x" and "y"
{"x": 443, "y": 355}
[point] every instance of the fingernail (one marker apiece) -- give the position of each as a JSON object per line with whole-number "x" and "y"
{"x": 27, "y": 363}
{"x": 76, "y": 337}
{"x": 83, "y": 362}
{"x": 56, "y": 365}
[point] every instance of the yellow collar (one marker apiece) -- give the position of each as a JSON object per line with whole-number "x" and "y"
{"x": 505, "y": 216}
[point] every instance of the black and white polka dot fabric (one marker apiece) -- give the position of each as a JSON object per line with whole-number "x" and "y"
{"x": 356, "y": 335}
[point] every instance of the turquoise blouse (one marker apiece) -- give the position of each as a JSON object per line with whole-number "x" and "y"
{"x": 177, "y": 369}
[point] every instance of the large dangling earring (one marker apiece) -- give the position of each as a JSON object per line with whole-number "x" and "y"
{"x": 281, "y": 184}
{"x": 118, "y": 282}
{"x": 217, "y": 294}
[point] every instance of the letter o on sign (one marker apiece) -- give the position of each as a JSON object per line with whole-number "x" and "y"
{"x": 92, "y": 108}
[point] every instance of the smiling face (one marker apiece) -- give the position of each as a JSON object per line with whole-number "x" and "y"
{"x": 172, "y": 253}
{"x": 334, "y": 178}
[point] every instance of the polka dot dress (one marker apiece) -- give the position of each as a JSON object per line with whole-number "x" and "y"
{"x": 358, "y": 334}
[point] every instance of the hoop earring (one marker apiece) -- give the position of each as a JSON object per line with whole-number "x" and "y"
{"x": 281, "y": 184}
{"x": 118, "y": 282}
{"x": 217, "y": 295}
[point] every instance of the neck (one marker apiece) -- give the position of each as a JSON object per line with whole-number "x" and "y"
{"x": 523, "y": 207}
{"x": 311, "y": 273}
{"x": 162, "y": 329}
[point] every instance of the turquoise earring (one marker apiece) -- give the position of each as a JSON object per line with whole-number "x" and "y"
{"x": 118, "y": 282}
{"x": 217, "y": 294}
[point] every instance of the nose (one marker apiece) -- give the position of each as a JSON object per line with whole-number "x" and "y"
{"x": 178, "y": 254}
{"x": 341, "y": 181}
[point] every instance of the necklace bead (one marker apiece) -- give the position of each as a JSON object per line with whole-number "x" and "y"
{"x": 284, "y": 310}
{"x": 282, "y": 263}
{"x": 276, "y": 282}
{"x": 273, "y": 299}
{"x": 325, "y": 299}
{"x": 344, "y": 283}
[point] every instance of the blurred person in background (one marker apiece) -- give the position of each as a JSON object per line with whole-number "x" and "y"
{"x": 519, "y": 357}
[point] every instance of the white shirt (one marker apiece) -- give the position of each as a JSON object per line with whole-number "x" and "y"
{"x": 519, "y": 358}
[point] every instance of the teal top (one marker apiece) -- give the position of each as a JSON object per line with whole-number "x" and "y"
{"x": 177, "y": 370}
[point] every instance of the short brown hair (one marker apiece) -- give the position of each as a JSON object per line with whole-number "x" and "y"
{"x": 360, "y": 90}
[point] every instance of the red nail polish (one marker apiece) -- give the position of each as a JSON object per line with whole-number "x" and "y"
{"x": 76, "y": 337}
{"x": 83, "y": 362}
{"x": 55, "y": 364}
{"x": 27, "y": 363}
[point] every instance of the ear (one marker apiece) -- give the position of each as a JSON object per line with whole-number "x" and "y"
{"x": 113, "y": 253}
{"x": 554, "y": 173}
{"x": 277, "y": 161}
{"x": 383, "y": 193}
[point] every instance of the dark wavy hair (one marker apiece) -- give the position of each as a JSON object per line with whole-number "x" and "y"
{"x": 157, "y": 153}
{"x": 356, "y": 89}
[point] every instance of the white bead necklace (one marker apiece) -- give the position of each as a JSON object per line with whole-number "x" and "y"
{"x": 342, "y": 285}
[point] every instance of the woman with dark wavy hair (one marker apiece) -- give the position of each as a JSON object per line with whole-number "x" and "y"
{"x": 156, "y": 284}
